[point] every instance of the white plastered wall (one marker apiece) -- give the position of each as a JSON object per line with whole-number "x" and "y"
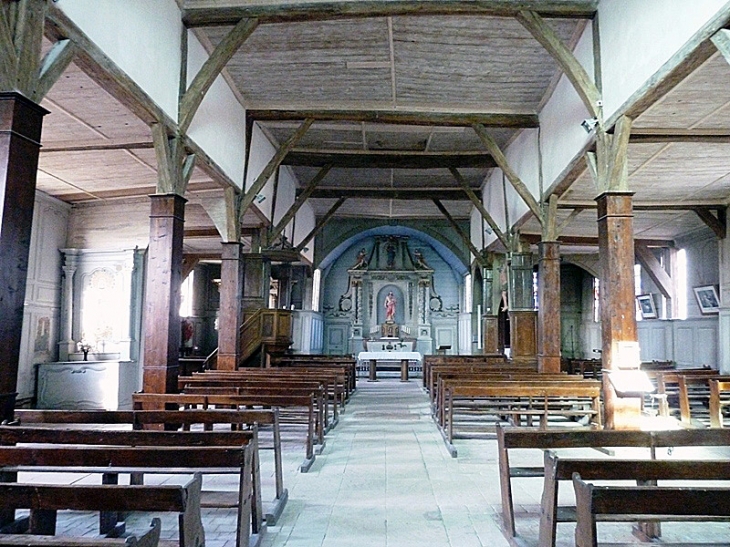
{"x": 219, "y": 126}
{"x": 141, "y": 37}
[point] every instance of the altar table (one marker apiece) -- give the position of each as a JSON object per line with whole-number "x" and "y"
{"x": 403, "y": 356}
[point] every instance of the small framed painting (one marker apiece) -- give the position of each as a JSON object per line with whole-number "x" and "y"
{"x": 707, "y": 299}
{"x": 646, "y": 305}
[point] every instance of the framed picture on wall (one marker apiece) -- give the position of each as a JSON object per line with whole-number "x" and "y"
{"x": 707, "y": 299}
{"x": 646, "y": 305}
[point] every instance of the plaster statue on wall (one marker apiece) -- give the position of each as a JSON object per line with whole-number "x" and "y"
{"x": 389, "y": 305}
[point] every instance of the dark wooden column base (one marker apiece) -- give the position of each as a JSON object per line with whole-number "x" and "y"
{"x": 21, "y": 121}
{"x": 548, "y": 314}
{"x": 229, "y": 330}
{"x": 523, "y": 336}
{"x": 162, "y": 298}
{"x": 491, "y": 335}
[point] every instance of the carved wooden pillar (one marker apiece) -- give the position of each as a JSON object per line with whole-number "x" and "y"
{"x": 490, "y": 321}
{"x": 162, "y": 295}
{"x": 229, "y": 322}
{"x": 618, "y": 312}
{"x": 522, "y": 316}
{"x": 548, "y": 309}
{"x": 21, "y": 121}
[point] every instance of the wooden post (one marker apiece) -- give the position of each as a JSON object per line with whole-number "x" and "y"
{"x": 618, "y": 312}
{"x": 548, "y": 309}
{"x": 522, "y": 315}
{"x": 162, "y": 300}
{"x": 231, "y": 289}
{"x": 20, "y": 135}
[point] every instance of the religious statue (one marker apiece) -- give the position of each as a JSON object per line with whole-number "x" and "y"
{"x": 389, "y": 307}
{"x": 420, "y": 261}
{"x": 360, "y": 260}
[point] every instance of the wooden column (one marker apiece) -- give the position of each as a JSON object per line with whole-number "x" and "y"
{"x": 723, "y": 245}
{"x": 490, "y": 321}
{"x": 162, "y": 294}
{"x": 618, "y": 312}
{"x": 229, "y": 322}
{"x": 21, "y": 121}
{"x": 548, "y": 309}
{"x": 522, "y": 315}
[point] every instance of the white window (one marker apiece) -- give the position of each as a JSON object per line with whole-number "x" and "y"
{"x": 316, "y": 283}
{"x": 467, "y": 293}
{"x": 186, "y": 296}
{"x": 680, "y": 288}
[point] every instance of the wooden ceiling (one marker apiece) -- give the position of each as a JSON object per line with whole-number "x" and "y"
{"x": 397, "y": 87}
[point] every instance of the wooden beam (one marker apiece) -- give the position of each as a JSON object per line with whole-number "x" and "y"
{"x": 511, "y": 175}
{"x": 28, "y": 43}
{"x": 389, "y": 160}
{"x": 650, "y": 206}
{"x": 272, "y": 166}
{"x": 550, "y": 228}
{"x": 721, "y": 39}
{"x": 320, "y": 224}
{"x": 211, "y": 69}
{"x": 201, "y": 233}
{"x": 654, "y": 269}
{"x": 574, "y": 71}
{"x": 717, "y": 224}
{"x": 406, "y": 194}
{"x": 163, "y": 154}
{"x": 589, "y": 241}
{"x": 8, "y": 55}
{"x": 207, "y": 14}
{"x": 660, "y": 136}
{"x": 480, "y": 207}
{"x": 301, "y": 198}
{"x": 464, "y": 237}
{"x": 53, "y": 65}
{"x": 403, "y": 117}
{"x": 188, "y": 265}
{"x": 618, "y": 179}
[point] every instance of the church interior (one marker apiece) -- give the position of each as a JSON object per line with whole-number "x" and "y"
{"x": 403, "y": 234}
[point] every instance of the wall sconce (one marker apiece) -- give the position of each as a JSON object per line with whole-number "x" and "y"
{"x": 259, "y": 198}
{"x": 589, "y": 124}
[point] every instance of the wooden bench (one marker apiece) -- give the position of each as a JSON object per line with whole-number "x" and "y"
{"x": 719, "y": 391}
{"x": 645, "y": 472}
{"x": 337, "y": 363}
{"x": 526, "y": 398}
{"x": 149, "y": 538}
{"x": 176, "y": 419}
{"x": 487, "y": 361}
{"x": 667, "y": 387}
{"x": 444, "y": 381}
{"x": 642, "y": 503}
{"x": 510, "y": 438}
{"x": 111, "y": 452}
{"x": 44, "y": 501}
{"x": 187, "y": 401}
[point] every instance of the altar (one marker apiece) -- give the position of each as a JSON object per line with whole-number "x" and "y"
{"x": 375, "y": 357}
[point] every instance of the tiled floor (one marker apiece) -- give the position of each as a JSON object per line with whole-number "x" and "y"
{"x": 385, "y": 478}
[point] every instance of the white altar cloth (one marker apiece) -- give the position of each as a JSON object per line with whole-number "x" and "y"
{"x": 389, "y": 356}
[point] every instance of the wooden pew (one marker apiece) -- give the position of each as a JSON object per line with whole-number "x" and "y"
{"x": 45, "y": 501}
{"x": 510, "y": 438}
{"x": 176, "y": 419}
{"x": 541, "y": 399}
{"x": 148, "y": 538}
{"x": 645, "y": 472}
{"x": 445, "y": 380}
{"x": 667, "y": 386}
{"x": 641, "y": 503}
{"x": 187, "y": 400}
{"x": 111, "y": 452}
{"x": 339, "y": 363}
{"x": 486, "y": 361}
{"x": 719, "y": 389}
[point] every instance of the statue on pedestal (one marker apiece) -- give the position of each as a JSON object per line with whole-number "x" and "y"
{"x": 389, "y": 304}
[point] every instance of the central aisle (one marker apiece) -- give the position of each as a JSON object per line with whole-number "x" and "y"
{"x": 386, "y": 479}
